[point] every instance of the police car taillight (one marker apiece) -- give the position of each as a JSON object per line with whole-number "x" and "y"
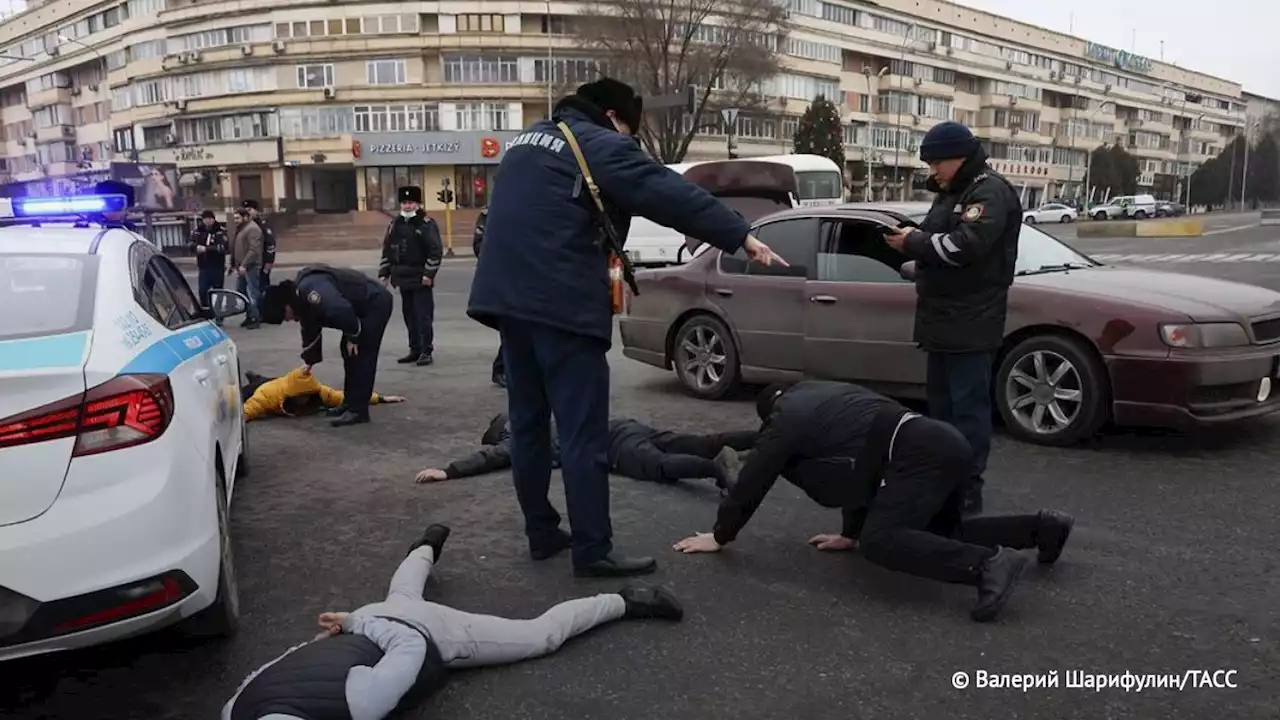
{"x": 123, "y": 412}
{"x": 52, "y": 207}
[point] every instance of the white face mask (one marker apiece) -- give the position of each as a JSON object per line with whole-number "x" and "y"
{"x": 406, "y": 214}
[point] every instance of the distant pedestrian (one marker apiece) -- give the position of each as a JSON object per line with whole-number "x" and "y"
{"x": 557, "y": 222}
{"x": 209, "y": 243}
{"x": 964, "y": 252}
{"x": 411, "y": 252}
{"x": 246, "y": 257}
{"x": 268, "y": 240}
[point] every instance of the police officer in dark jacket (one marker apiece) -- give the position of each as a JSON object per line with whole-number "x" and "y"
{"x": 411, "y": 253}
{"x": 897, "y": 478}
{"x": 477, "y": 239}
{"x": 209, "y": 243}
{"x": 345, "y": 300}
{"x": 117, "y": 218}
{"x": 964, "y": 253}
{"x": 543, "y": 283}
{"x": 268, "y": 241}
{"x": 636, "y": 451}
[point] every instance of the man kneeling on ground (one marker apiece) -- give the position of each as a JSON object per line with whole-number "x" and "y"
{"x": 295, "y": 394}
{"x": 636, "y": 451}
{"x": 388, "y": 656}
{"x": 899, "y": 479}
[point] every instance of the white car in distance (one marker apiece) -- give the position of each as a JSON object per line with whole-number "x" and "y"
{"x": 1050, "y": 213}
{"x": 121, "y": 435}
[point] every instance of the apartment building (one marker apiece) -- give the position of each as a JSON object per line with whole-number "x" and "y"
{"x": 332, "y": 105}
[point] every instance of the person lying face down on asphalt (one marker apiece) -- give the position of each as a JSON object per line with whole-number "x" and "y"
{"x": 899, "y": 480}
{"x": 636, "y": 451}
{"x": 389, "y": 656}
{"x": 295, "y": 394}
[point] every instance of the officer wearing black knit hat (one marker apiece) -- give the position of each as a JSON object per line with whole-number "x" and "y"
{"x": 964, "y": 252}
{"x": 543, "y": 281}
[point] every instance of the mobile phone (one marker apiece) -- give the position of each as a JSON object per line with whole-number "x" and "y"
{"x": 887, "y": 230}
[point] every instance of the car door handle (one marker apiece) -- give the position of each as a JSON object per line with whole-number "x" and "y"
{"x": 824, "y": 299}
{"x": 724, "y": 292}
{"x": 220, "y": 359}
{"x": 201, "y": 376}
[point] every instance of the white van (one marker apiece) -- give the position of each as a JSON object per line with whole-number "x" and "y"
{"x": 1139, "y": 207}
{"x": 815, "y": 180}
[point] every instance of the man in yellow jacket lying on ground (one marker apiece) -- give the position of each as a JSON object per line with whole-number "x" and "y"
{"x": 298, "y": 393}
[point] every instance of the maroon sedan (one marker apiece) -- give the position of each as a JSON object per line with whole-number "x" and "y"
{"x": 1085, "y": 343}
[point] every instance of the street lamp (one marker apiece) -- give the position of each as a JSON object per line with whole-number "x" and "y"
{"x": 1187, "y": 166}
{"x": 871, "y": 111}
{"x": 550, "y": 59}
{"x": 1244, "y": 177}
{"x": 1088, "y": 166}
{"x": 909, "y": 40}
{"x": 111, "y": 139}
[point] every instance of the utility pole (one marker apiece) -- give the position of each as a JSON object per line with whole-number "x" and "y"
{"x": 897, "y": 130}
{"x": 730, "y": 116}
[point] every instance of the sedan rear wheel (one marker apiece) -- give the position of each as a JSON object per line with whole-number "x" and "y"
{"x": 1066, "y": 218}
{"x": 705, "y": 357}
{"x": 1030, "y": 220}
{"x": 222, "y": 618}
{"x": 1052, "y": 391}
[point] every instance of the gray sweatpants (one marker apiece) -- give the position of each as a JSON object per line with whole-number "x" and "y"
{"x": 471, "y": 640}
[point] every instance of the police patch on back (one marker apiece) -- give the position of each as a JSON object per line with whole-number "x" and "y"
{"x": 538, "y": 138}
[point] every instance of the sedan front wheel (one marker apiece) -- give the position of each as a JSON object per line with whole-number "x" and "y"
{"x": 1051, "y": 390}
{"x": 705, "y": 357}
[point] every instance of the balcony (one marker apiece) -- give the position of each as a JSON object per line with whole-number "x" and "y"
{"x": 917, "y": 86}
{"x": 52, "y": 96}
{"x": 57, "y": 133}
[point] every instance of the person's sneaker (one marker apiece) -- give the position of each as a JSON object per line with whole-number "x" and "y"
{"x": 425, "y": 359}
{"x": 651, "y": 603}
{"x": 1052, "y": 532}
{"x": 433, "y": 537}
{"x": 350, "y": 418}
{"x": 996, "y": 579}
{"x": 728, "y": 464}
{"x": 558, "y": 544}
{"x": 412, "y": 357}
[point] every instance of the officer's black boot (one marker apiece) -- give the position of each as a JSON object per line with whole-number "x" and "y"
{"x": 336, "y": 412}
{"x": 425, "y": 359}
{"x": 434, "y": 537}
{"x": 412, "y": 357}
{"x": 552, "y": 546}
{"x": 499, "y": 379}
{"x": 350, "y": 418}
{"x": 617, "y": 566}
{"x": 996, "y": 579}
{"x": 1053, "y": 529}
{"x": 651, "y": 603}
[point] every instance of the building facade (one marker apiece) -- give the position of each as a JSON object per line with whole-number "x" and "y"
{"x": 329, "y": 106}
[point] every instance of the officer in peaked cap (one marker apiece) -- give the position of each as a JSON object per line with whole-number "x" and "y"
{"x": 117, "y": 218}
{"x": 411, "y": 252}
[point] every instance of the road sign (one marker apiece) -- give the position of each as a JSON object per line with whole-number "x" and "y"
{"x": 730, "y": 116}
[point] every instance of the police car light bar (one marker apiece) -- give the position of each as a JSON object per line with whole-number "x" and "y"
{"x": 19, "y": 208}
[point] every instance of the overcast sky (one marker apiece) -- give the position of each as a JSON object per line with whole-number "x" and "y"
{"x": 1233, "y": 39}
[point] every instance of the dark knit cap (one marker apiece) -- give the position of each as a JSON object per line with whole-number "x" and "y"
{"x": 948, "y": 141}
{"x": 115, "y": 187}
{"x": 609, "y": 94}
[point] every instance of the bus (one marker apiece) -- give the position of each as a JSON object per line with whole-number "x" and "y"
{"x": 818, "y": 181}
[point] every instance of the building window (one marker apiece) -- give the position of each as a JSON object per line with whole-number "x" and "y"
{"x": 381, "y": 183}
{"x": 385, "y": 72}
{"x": 312, "y": 77}
{"x": 567, "y": 71}
{"x": 474, "y": 184}
{"x": 557, "y": 25}
{"x": 52, "y": 116}
{"x": 839, "y": 14}
{"x": 156, "y": 137}
{"x": 391, "y": 25}
{"x": 151, "y": 92}
{"x": 315, "y": 122}
{"x": 482, "y": 116}
{"x": 59, "y": 152}
{"x": 475, "y": 23}
{"x": 480, "y": 69}
{"x": 229, "y": 128}
{"x": 814, "y": 50}
{"x": 221, "y": 37}
{"x": 394, "y": 118}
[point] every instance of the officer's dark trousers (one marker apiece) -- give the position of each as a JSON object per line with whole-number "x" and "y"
{"x": 552, "y": 371}
{"x": 419, "y": 308}
{"x": 209, "y": 278}
{"x": 914, "y": 525}
{"x": 959, "y": 390}
{"x": 362, "y": 368}
{"x": 668, "y": 457}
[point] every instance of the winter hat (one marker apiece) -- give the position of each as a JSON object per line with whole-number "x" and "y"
{"x": 948, "y": 141}
{"x": 609, "y": 94}
{"x": 768, "y": 397}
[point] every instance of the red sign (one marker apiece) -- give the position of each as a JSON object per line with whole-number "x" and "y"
{"x": 356, "y": 150}
{"x": 489, "y": 148}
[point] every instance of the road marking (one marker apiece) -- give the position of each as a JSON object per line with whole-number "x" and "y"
{"x": 1234, "y": 228}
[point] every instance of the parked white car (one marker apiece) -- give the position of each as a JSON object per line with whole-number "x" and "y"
{"x": 121, "y": 435}
{"x": 1050, "y": 213}
{"x": 1138, "y": 207}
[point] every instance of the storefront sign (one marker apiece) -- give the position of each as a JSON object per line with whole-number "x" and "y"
{"x": 1120, "y": 58}
{"x": 429, "y": 148}
{"x": 248, "y": 152}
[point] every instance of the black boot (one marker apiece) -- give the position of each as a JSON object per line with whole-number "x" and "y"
{"x": 728, "y": 464}
{"x": 336, "y": 412}
{"x": 617, "y": 566}
{"x": 499, "y": 379}
{"x": 996, "y": 579}
{"x": 651, "y": 603}
{"x": 424, "y": 360}
{"x": 433, "y": 537}
{"x": 350, "y": 418}
{"x": 412, "y": 357}
{"x": 1051, "y": 535}
{"x": 558, "y": 544}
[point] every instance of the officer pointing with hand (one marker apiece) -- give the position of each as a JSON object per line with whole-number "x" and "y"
{"x": 567, "y": 189}
{"x": 965, "y": 252}
{"x": 345, "y": 300}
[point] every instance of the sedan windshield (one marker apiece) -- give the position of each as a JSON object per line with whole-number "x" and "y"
{"x": 1040, "y": 252}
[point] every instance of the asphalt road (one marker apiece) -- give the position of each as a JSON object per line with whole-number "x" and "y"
{"x": 1172, "y": 567}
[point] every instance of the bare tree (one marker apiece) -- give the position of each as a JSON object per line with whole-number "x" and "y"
{"x": 727, "y": 51}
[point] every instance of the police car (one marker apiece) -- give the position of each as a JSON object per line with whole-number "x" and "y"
{"x": 121, "y": 434}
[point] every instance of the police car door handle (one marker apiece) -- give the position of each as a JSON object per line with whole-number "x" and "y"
{"x": 824, "y": 299}
{"x": 220, "y": 359}
{"x": 201, "y": 376}
{"x": 723, "y": 292}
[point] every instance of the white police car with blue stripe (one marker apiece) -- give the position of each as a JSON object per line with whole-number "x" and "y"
{"x": 121, "y": 434}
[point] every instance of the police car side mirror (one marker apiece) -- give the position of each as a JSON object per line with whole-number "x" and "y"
{"x": 227, "y": 303}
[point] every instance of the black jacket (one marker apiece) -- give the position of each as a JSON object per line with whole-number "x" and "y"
{"x": 337, "y": 298}
{"x": 965, "y": 253}
{"x": 626, "y": 436}
{"x": 214, "y": 240}
{"x": 411, "y": 250}
{"x": 268, "y": 242}
{"x": 815, "y": 436}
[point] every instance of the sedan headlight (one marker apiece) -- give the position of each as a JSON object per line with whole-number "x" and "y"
{"x": 1204, "y": 335}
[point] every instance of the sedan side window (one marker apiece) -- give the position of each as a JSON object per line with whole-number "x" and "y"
{"x": 856, "y": 252}
{"x": 794, "y": 240}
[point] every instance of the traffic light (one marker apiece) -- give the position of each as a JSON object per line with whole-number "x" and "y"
{"x": 445, "y": 196}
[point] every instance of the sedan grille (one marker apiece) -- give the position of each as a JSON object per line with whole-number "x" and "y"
{"x": 1266, "y": 331}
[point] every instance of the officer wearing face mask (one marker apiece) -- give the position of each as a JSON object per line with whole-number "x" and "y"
{"x": 411, "y": 253}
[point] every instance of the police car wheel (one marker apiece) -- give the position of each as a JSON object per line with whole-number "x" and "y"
{"x": 242, "y": 463}
{"x": 705, "y": 357}
{"x": 222, "y": 618}
{"x": 1051, "y": 390}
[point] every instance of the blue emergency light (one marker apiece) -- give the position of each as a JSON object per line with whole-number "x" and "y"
{"x": 34, "y": 208}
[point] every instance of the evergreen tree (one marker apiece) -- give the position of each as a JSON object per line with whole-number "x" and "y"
{"x": 1264, "y": 171}
{"x": 821, "y": 131}
{"x": 1126, "y": 170}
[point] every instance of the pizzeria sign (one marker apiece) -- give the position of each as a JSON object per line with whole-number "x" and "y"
{"x": 434, "y": 148}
